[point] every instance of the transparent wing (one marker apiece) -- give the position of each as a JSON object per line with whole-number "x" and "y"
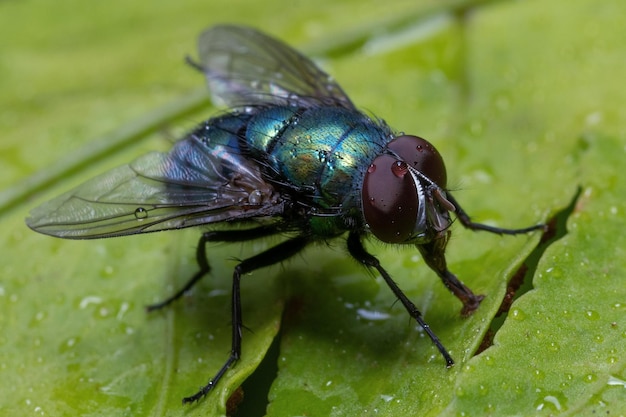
{"x": 246, "y": 67}
{"x": 191, "y": 185}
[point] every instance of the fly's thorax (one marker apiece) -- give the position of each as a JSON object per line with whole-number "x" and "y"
{"x": 267, "y": 127}
{"x": 326, "y": 150}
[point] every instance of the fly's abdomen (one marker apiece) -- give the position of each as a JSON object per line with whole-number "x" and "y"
{"x": 325, "y": 149}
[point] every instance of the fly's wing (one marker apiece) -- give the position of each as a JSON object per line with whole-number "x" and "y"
{"x": 191, "y": 185}
{"x": 246, "y": 67}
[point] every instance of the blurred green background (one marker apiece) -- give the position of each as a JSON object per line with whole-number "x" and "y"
{"x": 525, "y": 100}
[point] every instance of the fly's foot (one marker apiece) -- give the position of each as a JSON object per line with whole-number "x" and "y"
{"x": 470, "y": 304}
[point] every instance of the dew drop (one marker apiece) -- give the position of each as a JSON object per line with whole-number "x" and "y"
{"x": 371, "y": 315}
{"x": 141, "y": 213}
{"x": 554, "y": 347}
{"x": 107, "y": 271}
{"x": 255, "y": 197}
{"x": 551, "y": 400}
{"x": 85, "y": 302}
{"x": 399, "y": 169}
{"x": 592, "y": 315}
{"x": 103, "y": 312}
{"x": 37, "y": 319}
{"x": 590, "y": 378}
{"x": 489, "y": 360}
{"x": 539, "y": 374}
{"x": 598, "y": 400}
{"x": 555, "y": 272}
{"x": 616, "y": 381}
{"x": 518, "y": 314}
{"x": 68, "y": 344}
{"x": 371, "y": 168}
{"x": 554, "y": 401}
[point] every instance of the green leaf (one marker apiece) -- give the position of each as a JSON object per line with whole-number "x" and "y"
{"x": 524, "y": 101}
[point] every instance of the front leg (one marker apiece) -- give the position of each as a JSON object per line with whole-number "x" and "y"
{"x": 465, "y": 220}
{"x": 433, "y": 253}
{"x": 356, "y": 249}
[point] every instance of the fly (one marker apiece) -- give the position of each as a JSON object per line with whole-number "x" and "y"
{"x": 293, "y": 157}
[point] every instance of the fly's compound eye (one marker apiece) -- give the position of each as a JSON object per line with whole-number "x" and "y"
{"x": 421, "y": 155}
{"x": 390, "y": 195}
{"x": 390, "y": 199}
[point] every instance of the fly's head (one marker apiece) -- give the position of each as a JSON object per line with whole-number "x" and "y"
{"x": 403, "y": 195}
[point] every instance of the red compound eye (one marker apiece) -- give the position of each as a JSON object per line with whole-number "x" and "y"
{"x": 390, "y": 195}
{"x": 389, "y": 200}
{"x": 421, "y": 155}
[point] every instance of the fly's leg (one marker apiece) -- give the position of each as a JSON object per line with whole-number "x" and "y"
{"x": 464, "y": 218}
{"x": 203, "y": 263}
{"x": 434, "y": 255}
{"x": 271, "y": 256}
{"x": 358, "y": 252}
